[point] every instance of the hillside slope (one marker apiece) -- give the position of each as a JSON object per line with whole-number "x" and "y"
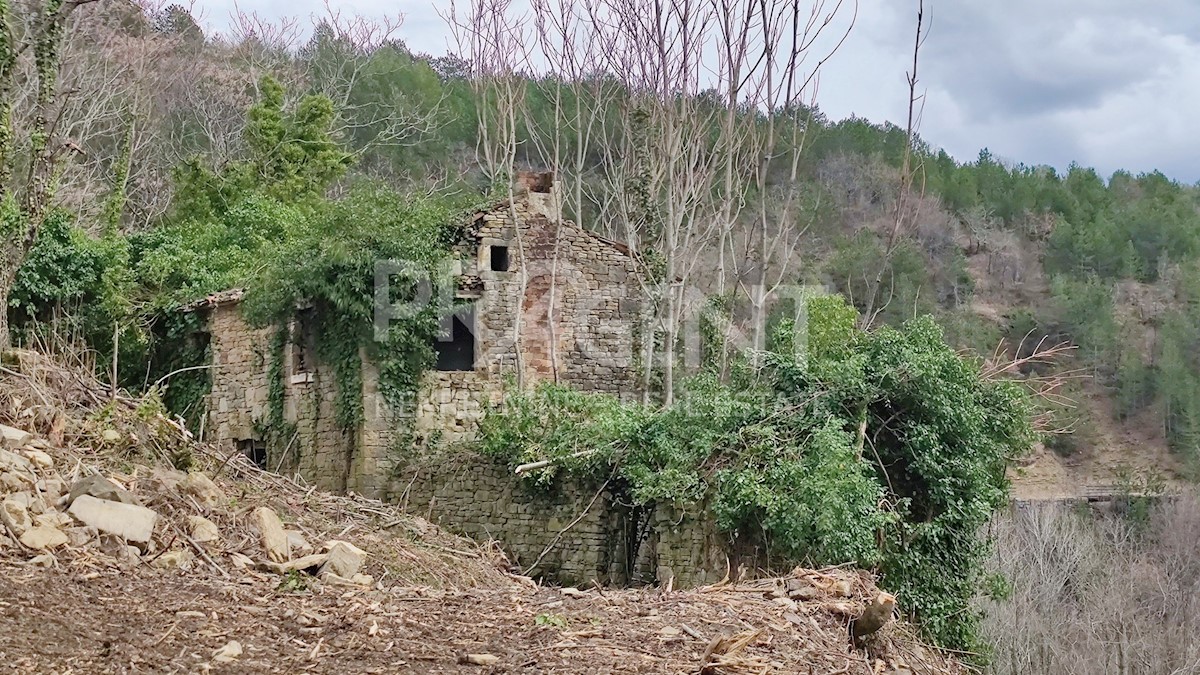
{"x": 222, "y": 577}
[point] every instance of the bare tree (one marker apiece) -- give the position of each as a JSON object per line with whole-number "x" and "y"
{"x": 32, "y": 38}
{"x": 491, "y": 38}
{"x": 907, "y": 207}
{"x": 1097, "y": 592}
{"x": 338, "y": 59}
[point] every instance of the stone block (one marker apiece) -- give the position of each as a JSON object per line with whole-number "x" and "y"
{"x": 130, "y": 521}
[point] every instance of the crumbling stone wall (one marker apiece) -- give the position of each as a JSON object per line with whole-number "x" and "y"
{"x": 321, "y": 451}
{"x": 573, "y": 294}
{"x": 239, "y": 393}
{"x": 579, "y": 531}
{"x": 551, "y": 301}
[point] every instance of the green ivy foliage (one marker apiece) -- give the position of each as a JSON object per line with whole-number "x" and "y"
{"x": 329, "y": 260}
{"x": 883, "y": 449}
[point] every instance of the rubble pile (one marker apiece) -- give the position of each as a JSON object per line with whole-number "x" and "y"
{"x": 126, "y": 546}
{"x": 110, "y": 480}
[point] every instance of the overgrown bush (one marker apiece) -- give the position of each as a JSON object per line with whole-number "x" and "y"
{"x": 883, "y": 449}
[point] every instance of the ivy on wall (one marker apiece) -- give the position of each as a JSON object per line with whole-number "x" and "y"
{"x": 883, "y": 449}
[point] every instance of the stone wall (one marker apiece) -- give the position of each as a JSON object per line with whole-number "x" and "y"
{"x": 579, "y": 532}
{"x": 556, "y": 303}
{"x": 573, "y": 294}
{"x": 319, "y": 450}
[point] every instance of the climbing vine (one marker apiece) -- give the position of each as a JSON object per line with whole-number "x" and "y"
{"x": 883, "y": 449}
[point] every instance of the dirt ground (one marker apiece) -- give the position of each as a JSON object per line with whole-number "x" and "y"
{"x": 151, "y": 621}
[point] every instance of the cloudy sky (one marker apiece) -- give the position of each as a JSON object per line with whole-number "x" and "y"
{"x": 1106, "y": 83}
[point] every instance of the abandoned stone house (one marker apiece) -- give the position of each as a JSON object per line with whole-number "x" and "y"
{"x": 547, "y": 300}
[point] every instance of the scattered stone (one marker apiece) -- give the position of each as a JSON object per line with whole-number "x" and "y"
{"x": 130, "y": 521}
{"x": 13, "y": 437}
{"x": 82, "y": 536}
{"x": 110, "y": 435}
{"x": 345, "y": 559}
{"x": 101, "y": 488}
{"x": 573, "y": 593}
{"x": 14, "y": 481}
{"x": 15, "y": 515}
{"x": 11, "y": 461}
{"x": 298, "y": 565}
{"x": 478, "y": 659}
{"x": 53, "y": 519}
{"x": 203, "y": 530}
{"x": 40, "y": 459}
{"x": 43, "y": 537}
{"x": 357, "y": 581}
{"x": 180, "y": 559}
{"x": 190, "y": 615}
{"x": 298, "y": 543}
{"x": 229, "y": 653}
{"x": 202, "y": 488}
{"x": 43, "y": 560}
{"x": 240, "y": 561}
{"x": 805, "y": 593}
{"x": 51, "y": 488}
{"x": 273, "y": 538}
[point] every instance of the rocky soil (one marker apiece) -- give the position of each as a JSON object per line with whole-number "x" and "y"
{"x": 127, "y": 547}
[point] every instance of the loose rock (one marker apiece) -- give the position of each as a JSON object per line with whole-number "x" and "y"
{"x": 273, "y": 538}
{"x": 15, "y": 481}
{"x": 13, "y": 437}
{"x": 230, "y": 652}
{"x": 133, "y": 522}
{"x": 40, "y": 459}
{"x": 345, "y": 559}
{"x": 15, "y": 516}
{"x": 11, "y": 461}
{"x": 298, "y": 543}
{"x": 43, "y": 537}
{"x": 203, "y": 530}
{"x": 101, "y": 488}
{"x": 202, "y": 488}
{"x": 178, "y": 559}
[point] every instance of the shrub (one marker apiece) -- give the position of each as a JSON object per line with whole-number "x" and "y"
{"x": 883, "y": 449}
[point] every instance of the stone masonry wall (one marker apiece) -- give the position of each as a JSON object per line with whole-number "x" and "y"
{"x": 574, "y": 295}
{"x": 479, "y": 498}
{"x": 323, "y": 453}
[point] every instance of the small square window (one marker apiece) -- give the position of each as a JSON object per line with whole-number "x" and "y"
{"x": 499, "y": 258}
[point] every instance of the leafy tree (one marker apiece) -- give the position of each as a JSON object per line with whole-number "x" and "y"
{"x": 36, "y": 155}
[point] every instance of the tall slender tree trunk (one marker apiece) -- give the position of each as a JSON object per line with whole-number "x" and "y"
{"x": 5, "y": 291}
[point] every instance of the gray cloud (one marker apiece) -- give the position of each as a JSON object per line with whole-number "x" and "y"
{"x": 1108, "y": 83}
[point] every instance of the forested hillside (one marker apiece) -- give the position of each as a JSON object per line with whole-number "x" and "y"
{"x": 735, "y": 186}
{"x": 145, "y": 165}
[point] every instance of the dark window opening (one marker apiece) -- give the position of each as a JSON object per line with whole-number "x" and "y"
{"x": 456, "y": 348}
{"x": 255, "y": 450}
{"x": 499, "y": 258}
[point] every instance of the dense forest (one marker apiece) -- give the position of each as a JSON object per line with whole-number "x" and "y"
{"x": 146, "y": 165}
